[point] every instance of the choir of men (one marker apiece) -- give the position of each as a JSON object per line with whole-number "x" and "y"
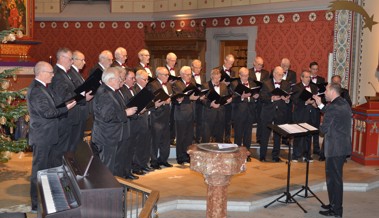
{"x": 130, "y": 143}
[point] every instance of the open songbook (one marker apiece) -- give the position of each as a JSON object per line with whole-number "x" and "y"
{"x": 297, "y": 128}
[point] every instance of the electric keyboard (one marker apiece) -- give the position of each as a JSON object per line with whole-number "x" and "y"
{"x": 63, "y": 193}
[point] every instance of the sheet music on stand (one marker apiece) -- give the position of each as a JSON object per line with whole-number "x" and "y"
{"x": 293, "y": 128}
{"x": 308, "y": 127}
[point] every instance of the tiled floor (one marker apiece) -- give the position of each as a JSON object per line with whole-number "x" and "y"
{"x": 260, "y": 184}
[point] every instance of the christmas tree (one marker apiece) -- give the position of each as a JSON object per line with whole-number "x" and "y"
{"x": 12, "y": 109}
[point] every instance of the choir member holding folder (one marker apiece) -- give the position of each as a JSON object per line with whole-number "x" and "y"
{"x": 304, "y": 106}
{"x": 160, "y": 119}
{"x": 214, "y": 110}
{"x": 246, "y": 93}
{"x": 183, "y": 114}
{"x": 111, "y": 126}
{"x": 275, "y": 97}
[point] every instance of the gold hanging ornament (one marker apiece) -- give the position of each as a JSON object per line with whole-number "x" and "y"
{"x": 3, "y": 120}
{"x": 5, "y": 85}
{"x": 27, "y": 118}
{"x": 9, "y": 100}
{"x": 15, "y": 77}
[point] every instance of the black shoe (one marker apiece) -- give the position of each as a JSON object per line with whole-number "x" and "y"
{"x": 248, "y": 159}
{"x": 138, "y": 172}
{"x": 155, "y": 166}
{"x": 147, "y": 169}
{"x": 326, "y": 207}
{"x": 262, "y": 159}
{"x": 285, "y": 142}
{"x": 131, "y": 176}
{"x": 277, "y": 160}
{"x": 316, "y": 153}
{"x": 166, "y": 164}
{"x": 180, "y": 162}
{"x": 321, "y": 158}
{"x": 329, "y": 212}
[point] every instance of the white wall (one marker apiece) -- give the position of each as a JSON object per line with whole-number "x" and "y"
{"x": 369, "y": 56}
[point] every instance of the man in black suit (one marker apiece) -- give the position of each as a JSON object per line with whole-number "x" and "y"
{"x": 244, "y": 110}
{"x": 63, "y": 86}
{"x": 121, "y": 56}
{"x": 43, "y": 130}
{"x": 199, "y": 77}
{"x": 144, "y": 60}
{"x": 170, "y": 66}
{"x": 316, "y": 115}
{"x": 183, "y": 114}
{"x": 302, "y": 114}
{"x": 105, "y": 61}
{"x": 344, "y": 94}
{"x": 111, "y": 127}
{"x": 336, "y": 128}
{"x": 213, "y": 112}
{"x": 290, "y": 76}
{"x": 226, "y": 69}
{"x": 160, "y": 118}
{"x": 127, "y": 150}
{"x": 171, "y": 63}
{"x": 79, "y": 124}
{"x": 274, "y": 110}
{"x": 257, "y": 73}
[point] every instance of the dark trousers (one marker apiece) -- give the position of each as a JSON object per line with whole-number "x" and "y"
{"x": 242, "y": 132}
{"x": 160, "y": 142}
{"x": 142, "y": 141}
{"x": 198, "y": 120}
{"x": 301, "y": 147}
{"x": 258, "y": 109}
{"x": 213, "y": 122}
{"x": 184, "y": 135}
{"x": 334, "y": 183}
{"x": 228, "y": 122}
{"x": 64, "y": 133}
{"x": 40, "y": 162}
{"x": 76, "y": 136}
{"x": 316, "y": 119}
{"x": 172, "y": 123}
{"x": 108, "y": 155}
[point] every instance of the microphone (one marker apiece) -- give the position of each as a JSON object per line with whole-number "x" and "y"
{"x": 373, "y": 86}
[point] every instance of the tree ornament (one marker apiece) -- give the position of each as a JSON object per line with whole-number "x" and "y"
{"x": 3, "y": 120}
{"x": 5, "y": 85}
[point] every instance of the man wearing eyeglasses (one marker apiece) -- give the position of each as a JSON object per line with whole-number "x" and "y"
{"x": 83, "y": 107}
{"x": 63, "y": 86}
{"x": 121, "y": 56}
{"x": 144, "y": 60}
{"x": 257, "y": 73}
{"x": 44, "y": 118}
{"x": 111, "y": 127}
{"x": 160, "y": 119}
{"x": 105, "y": 61}
{"x": 183, "y": 114}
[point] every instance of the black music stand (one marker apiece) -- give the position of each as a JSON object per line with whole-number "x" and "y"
{"x": 288, "y": 197}
{"x": 306, "y": 187}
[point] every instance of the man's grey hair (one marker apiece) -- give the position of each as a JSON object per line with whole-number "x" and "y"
{"x": 109, "y": 74}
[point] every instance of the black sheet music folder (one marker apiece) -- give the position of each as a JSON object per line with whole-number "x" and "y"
{"x": 141, "y": 100}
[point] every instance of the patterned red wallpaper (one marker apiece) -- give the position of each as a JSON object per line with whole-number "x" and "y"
{"x": 302, "y": 37}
